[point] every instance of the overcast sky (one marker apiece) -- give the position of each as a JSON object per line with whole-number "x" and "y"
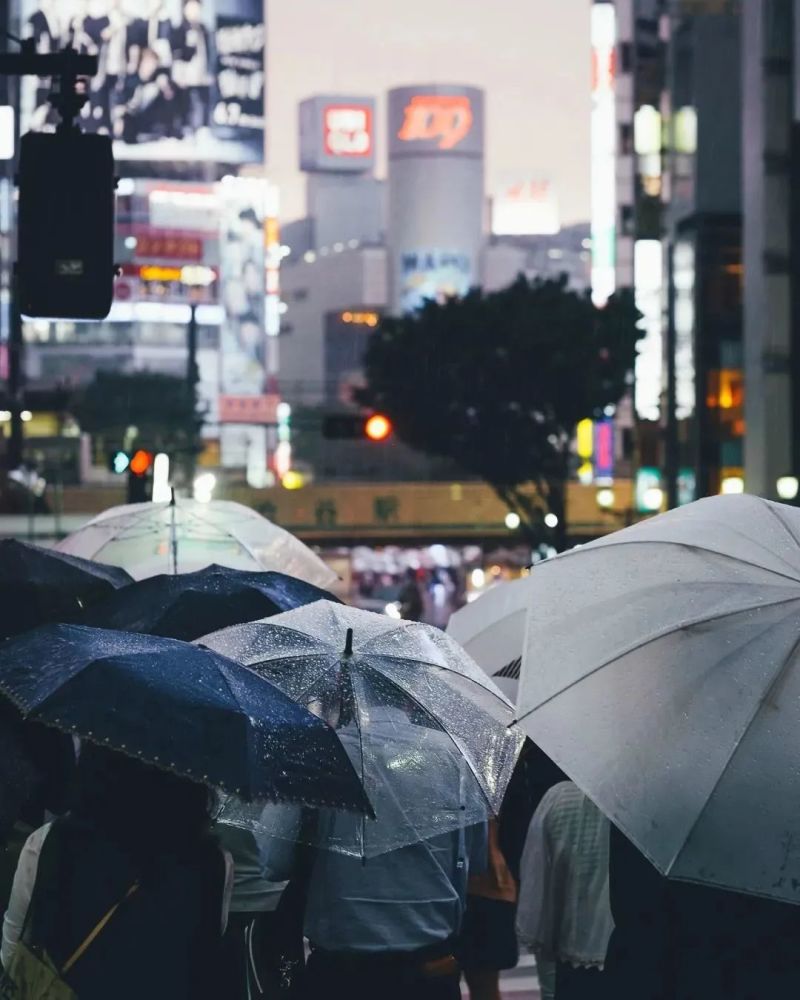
{"x": 531, "y": 56}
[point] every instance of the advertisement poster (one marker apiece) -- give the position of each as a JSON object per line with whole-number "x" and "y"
{"x": 242, "y": 344}
{"x": 437, "y": 275}
{"x": 177, "y": 79}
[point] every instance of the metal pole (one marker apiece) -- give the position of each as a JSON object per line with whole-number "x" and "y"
{"x": 192, "y": 378}
{"x": 671, "y": 427}
{"x": 15, "y": 381}
{"x": 14, "y": 451}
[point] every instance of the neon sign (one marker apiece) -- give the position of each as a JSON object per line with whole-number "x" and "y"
{"x": 348, "y": 130}
{"x": 439, "y": 118}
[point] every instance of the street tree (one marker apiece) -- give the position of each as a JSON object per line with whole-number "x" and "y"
{"x": 498, "y": 382}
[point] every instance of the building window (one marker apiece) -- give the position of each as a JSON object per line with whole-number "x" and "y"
{"x": 626, "y": 218}
{"x": 626, "y": 139}
{"x": 625, "y": 57}
{"x": 300, "y": 294}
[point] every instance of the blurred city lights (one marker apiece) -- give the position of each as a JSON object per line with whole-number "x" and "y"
{"x": 161, "y": 488}
{"x": 513, "y": 520}
{"x": 378, "y": 427}
{"x": 788, "y": 487}
{"x": 204, "y": 487}
{"x": 551, "y": 520}
{"x": 653, "y": 498}
{"x": 732, "y": 484}
{"x": 605, "y": 498}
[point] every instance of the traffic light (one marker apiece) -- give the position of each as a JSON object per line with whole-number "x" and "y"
{"x": 378, "y": 427}
{"x": 118, "y": 462}
{"x": 65, "y": 265}
{"x": 139, "y": 485}
{"x": 356, "y": 427}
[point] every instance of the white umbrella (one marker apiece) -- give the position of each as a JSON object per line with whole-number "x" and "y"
{"x": 662, "y": 673}
{"x": 151, "y": 538}
{"x": 492, "y": 630}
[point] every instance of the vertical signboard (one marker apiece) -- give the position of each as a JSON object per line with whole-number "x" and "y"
{"x": 603, "y": 151}
{"x": 648, "y": 281}
{"x": 177, "y": 79}
{"x": 242, "y": 336}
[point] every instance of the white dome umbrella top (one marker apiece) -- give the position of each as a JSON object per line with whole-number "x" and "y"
{"x": 662, "y": 673}
{"x": 150, "y": 538}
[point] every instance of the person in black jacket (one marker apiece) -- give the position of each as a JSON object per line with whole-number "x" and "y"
{"x": 138, "y": 837}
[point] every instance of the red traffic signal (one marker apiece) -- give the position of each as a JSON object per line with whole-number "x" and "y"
{"x": 378, "y": 427}
{"x": 356, "y": 427}
{"x": 141, "y": 462}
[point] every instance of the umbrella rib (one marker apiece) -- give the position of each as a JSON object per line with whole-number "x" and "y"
{"x": 684, "y": 545}
{"x": 361, "y": 759}
{"x": 651, "y": 639}
{"x": 779, "y": 674}
{"x": 780, "y": 521}
{"x": 484, "y": 685}
{"x": 440, "y": 725}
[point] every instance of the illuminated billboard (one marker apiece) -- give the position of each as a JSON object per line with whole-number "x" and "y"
{"x": 603, "y": 151}
{"x": 525, "y": 207}
{"x": 439, "y": 118}
{"x": 435, "y": 275}
{"x": 177, "y": 79}
{"x": 337, "y": 134}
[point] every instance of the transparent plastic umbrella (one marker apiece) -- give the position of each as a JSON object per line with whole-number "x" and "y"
{"x": 426, "y": 730}
{"x": 662, "y": 673}
{"x": 184, "y": 536}
{"x": 492, "y": 630}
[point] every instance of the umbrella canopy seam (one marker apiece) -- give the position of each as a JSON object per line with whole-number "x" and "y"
{"x": 779, "y": 673}
{"x": 672, "y": 630}
{"x": 619, "y": 542}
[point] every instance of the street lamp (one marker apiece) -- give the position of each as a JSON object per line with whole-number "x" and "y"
{"x": 605, "y": 498}
{"x": 731, "y": 485}
{"x": 512, "y": 520}
{"x": 788, "y": 487}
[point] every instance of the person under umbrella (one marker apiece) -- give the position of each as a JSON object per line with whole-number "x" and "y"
{"x": 40, "y": 585}
{"x": 661, "y": 673}
{"x": 134, "y": 864}
{"x": 383, "y": 900}
{"x": 183, "y": 710}
{"x": 189, "y": 605}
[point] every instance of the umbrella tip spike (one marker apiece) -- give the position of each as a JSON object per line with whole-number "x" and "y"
{"x": 348, "y": 643}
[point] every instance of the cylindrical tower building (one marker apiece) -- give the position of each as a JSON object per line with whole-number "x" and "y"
{"x": 436, "y": 192}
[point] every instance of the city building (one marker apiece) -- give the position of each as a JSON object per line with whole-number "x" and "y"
{"x": 197, "y": 236}
{"x": 771, "y": 240}
{"x": 667, "y": 75}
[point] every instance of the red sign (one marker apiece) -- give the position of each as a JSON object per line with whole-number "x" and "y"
{"x": 169, "y": 247}
{"x": 348, "y": 130}
{"x": 440, "y": 117}
{"x": 248, "y": 409}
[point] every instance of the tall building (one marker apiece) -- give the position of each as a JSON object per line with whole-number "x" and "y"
{"x": 771, "y": 157}
{"x": 436, "y": 192}
{"x": 677, "y": 230}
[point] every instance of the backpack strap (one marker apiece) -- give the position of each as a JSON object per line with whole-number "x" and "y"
{"x": 84, "y": 946}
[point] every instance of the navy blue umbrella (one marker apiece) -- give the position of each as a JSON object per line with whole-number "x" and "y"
{"x": 40, "y": 585}
{"x": 180, "y": 707}
{"x": 188, "y": 605}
